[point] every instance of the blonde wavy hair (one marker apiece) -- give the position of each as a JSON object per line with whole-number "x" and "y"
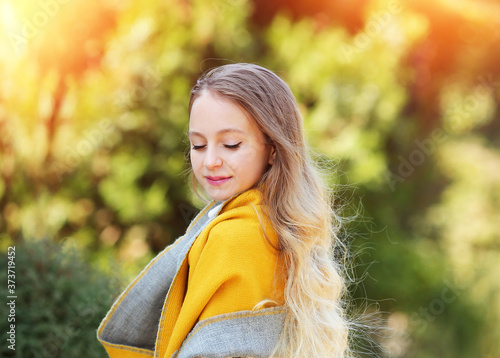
{"x": 300, "y": 208}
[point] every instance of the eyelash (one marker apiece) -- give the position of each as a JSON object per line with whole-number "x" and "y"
{"x": 232, "y": 147}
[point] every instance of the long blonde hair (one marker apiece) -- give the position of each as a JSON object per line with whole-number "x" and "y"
{"x": 299, "y": 207}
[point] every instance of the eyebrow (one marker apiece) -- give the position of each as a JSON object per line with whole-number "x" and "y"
{"x": 219, "y": 132}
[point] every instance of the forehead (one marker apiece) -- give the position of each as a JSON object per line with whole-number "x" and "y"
{"x": 212, "y": 113}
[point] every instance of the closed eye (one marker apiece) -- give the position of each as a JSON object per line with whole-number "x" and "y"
{"x": 198, "y": 147}
{"x": 234, "y": 146}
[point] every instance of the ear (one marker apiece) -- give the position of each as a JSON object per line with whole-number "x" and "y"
{"x": 272, "y": 155}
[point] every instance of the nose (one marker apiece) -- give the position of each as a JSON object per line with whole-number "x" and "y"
{"x": 212, "y": 159}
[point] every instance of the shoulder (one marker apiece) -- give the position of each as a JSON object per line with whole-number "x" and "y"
{"x": 240, "y": 230}
{"x": 243, "y": 232}
{"x": 243, "y": 223}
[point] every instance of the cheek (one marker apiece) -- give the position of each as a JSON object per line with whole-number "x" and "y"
{"x": 195, "y": 161}
{"x": 249, "y": 162}
{"x": 259, "y": 156}
{"x": 192, "y": 159}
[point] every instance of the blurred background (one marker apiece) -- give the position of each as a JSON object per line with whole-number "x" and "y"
{"x": 401, "y": 97}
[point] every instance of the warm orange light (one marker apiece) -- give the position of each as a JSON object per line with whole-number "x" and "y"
{"x": 63, "y": 35}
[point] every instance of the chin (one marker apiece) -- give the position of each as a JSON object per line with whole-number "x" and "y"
{"x": 221, "y": 197}
{"x": 218, "y": 196}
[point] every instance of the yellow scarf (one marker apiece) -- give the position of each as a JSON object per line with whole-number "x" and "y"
{"x": 232, "y": 266}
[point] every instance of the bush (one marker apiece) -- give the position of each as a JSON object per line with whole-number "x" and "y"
{"x": 60, "y": 302}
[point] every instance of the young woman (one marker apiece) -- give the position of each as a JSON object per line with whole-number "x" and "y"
{"x": 254, "y": 274}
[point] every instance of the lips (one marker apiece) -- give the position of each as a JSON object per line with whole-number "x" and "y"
{"x": 217, "y": 180}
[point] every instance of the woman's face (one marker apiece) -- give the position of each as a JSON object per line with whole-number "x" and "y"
{"x": 229, "y": 153}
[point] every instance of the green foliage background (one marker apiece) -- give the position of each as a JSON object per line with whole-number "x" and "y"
{"x": 93, "y": 119}
{"x": 60, "y": 302}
